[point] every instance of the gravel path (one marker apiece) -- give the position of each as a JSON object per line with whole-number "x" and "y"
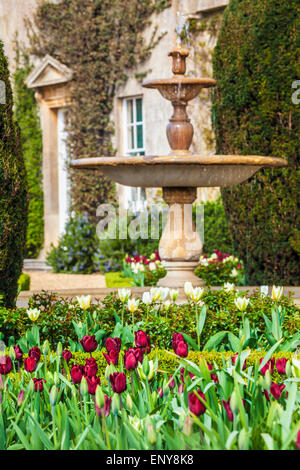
{"x": 50, "y": 281}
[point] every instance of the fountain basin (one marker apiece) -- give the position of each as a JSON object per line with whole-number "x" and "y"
{"x": 179, "y": 170}
{"x": 179, "y": 88}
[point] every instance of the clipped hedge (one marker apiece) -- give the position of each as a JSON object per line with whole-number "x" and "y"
{"x": 13, "y": 194}
{"x": 27, "y": 116}
{"x": 255, "y": 62}
{"x": 24, "y": 282}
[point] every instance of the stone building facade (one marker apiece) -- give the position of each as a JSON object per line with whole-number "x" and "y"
{"x": 140, "y": 115}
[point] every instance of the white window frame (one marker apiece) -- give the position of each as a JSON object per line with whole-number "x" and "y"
{"x": 134, "y": 124}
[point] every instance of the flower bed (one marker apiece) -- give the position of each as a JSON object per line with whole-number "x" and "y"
{"x": 219, "y": 268}
{"x": 144, "y": 271}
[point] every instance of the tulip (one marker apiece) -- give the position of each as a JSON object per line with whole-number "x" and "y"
{"x": 164, "y": 292}
{"x": 160, "y": 392}
{"x": 277, "y": 293}
{"x": 5, "y": 365}
{"x": 35, "y": 353}
{"x": 147, "y": 298}
{"x": 18, "y": 353}
{"x": 241, "y": 303}
{"x": 83, "y": 387}
{"x": 103, "y": 410}
{"x": 113, "y": 344}
{"x": 146, "y": 370}
{"x": 124, "y": 294}
{"x": 268, "y": 366}
{"x": 129, "y": 402}
{"x": 228, "y": 410}
{"x": 180, "y": 389}
{"x": 92, "y": 383}
{"x": 131, "y": 358}
{"x": 188, "y": 288}
{"x": 112, "y": 357}
{"x": 234, "y": 358}
{"x": 39, "y": 384}
{"x": 173, "y": 294}
{"x": 46, "y": 347}
{"x": 281, "y": 365}
{"x": 234, "y": 273}
{"x": 171, "y": 382}
{"x": 196, "y": 293}
{"x": 33, "y": 313}
{"x": 195, "y": 405}
{"x": 228, "y": 287}
{"x": 30, "y": 364}
{"x": 213, "y": 376}
{"x": 76, "y": 374}
{"x": 21, "y": 397}
{"x": 118, "y": 382}
{"x": 53, "y": 395}
{"x": 90, "y": 368}
{"x": 133, "y": 305}
{"x": 84, "y": 301}
{"x": 167, "y": 305}
{"x": 155, "y": 293}
{"x": 276, "y": 390}
{"x": 151, "y": 434}
{"x": 142, "y": 340}
{"x": 152, "y": 266}
{"x": 295, "y": 369}
{"x": 179, "y": 345}
{"x": 67, "y": 355}
{"x": 89, "y": 343}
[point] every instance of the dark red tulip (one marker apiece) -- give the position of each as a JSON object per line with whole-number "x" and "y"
{"x": 106, "y": 408}
{"x": 5, "y": 365}
{"x": 90, "y": 368}
{"x": 30, "y": 364}
{"x": 195, "y": 405}
{"x": 67, "y": 355}
{"x": 89, "y": 343}
{"x": 268, "y": 366}
{"x": 142, "y": 340}
{"x": 92, "y": 383}
{"x": 118, "y": 382}
{"x": 76, "y": 374}
{"x": 213, "y": 376}
{"x": 113, "y": 344}
{"x": 175, "y": 338}
{"x": 228, "y": 410}
{"x": 112, "y": 357}
{"x": 180, "y": 345}
{"x": 298, "y": 440}
{"x": 39, "y": 384}
{"x": 130, "y": 360}
{"x": 281, "y": 365}
{"x": 171, "y": 382}
{"x": 35, "y": 353}
{"x": 275, "y": 390}
{"x": 182, "y": 375}
{"x": 18, "y": 353}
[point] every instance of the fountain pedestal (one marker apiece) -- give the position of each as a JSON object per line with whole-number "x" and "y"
{"x": 180, "y": 245}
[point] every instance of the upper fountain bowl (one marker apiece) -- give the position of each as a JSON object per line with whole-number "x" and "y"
{"x": 180, "y": 88}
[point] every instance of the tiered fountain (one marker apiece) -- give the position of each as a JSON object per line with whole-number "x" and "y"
{"x": 180, "y": 172}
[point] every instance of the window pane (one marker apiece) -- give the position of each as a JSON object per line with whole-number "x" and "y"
{"x": 139, "y": 134}
{"x": 139, "y": 110}
{"x": 129, "y": 111}
{"x": 130, "y": 137}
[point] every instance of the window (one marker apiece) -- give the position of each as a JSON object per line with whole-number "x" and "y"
{"x": 133, "y": 114}
{"x": 134, "y": 126}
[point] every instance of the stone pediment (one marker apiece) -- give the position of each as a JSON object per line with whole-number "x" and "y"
{"x": 48, "y": 73}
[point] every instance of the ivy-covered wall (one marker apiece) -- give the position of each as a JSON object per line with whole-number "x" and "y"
{"x": 26, "y": 113}
{"x": 101, "y": 40}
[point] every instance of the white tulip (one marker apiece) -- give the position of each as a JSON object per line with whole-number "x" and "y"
{"x": 234, "y": 273}
{"x": 228, "y": 287}
{"x": 133, "y": 305}
{"x": 152, "y": 266}
{"x": 33, "y": 313}
{"x": 196, "y": 294}
{"x": 156, "y": 293}
{"x": 84, "y": 301}
{"x": 147, "y": 298}
{"x": 188, "y": 287}
{"x": 164, "y": 292}
{"x": 241, "y": 303}
{"x": 124, "y": 294}
{"x": 167, "y": 305}
{"x": 277, "y": 293}
{"x": 173, "y": 294}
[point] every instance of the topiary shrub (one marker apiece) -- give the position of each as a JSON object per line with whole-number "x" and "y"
{"x": 24, "y": 282}
{"x": 255, "y": 62}
{"x": 26, "y": 112}
{"x": 13, "y": 194}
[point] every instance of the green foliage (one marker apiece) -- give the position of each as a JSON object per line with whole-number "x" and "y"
{"x": 76, "y": 248}
{"x": 216, "y": 231}
{"x": 100, "y": 41}
{"x": 13, "y": 195}
{"x": 255, "y": 62}
{"x": 117, "y": 280}
{"x": 26, "y": 113}
{"x": 24, "y": 282}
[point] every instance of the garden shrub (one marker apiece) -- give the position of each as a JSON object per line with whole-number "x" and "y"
{"x": 13, "y": 194}
{"x": 24, "y": 282}
{"x": 117, "y": 280}
{"x": 220, "y": 268}
{"x": 76, "y": 247}
{"x": 27, "y": 116}
{"x": 255, "y": 62}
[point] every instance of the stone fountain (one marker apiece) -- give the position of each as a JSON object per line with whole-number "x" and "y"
{"x": 180, "y": 172}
